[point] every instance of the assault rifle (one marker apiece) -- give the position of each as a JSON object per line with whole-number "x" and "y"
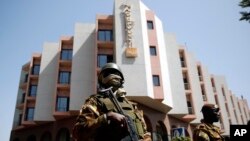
{"x": 130, "y": 124}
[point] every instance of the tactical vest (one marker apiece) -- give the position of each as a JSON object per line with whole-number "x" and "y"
{"x": 212, "y": 133}
{"x": 128, "y": 108}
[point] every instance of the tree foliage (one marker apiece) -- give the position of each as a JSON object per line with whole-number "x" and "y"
{"x": 245, "y": 15}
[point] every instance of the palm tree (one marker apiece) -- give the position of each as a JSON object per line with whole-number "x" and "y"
{"x": 245, "y": 15}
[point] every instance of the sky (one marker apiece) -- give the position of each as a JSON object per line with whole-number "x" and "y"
{"x": 210, "y": 29}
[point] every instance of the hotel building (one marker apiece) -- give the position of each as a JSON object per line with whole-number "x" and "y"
{"x": 165, "y": 79}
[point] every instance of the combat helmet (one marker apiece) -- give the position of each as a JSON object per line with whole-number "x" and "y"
{"x": 107, "y": 69}
{"x": 209, "y": 107}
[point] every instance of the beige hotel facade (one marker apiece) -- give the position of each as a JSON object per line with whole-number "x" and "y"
{"x": 165, "y": 79}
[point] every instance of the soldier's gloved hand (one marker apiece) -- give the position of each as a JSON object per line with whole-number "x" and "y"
{"x": 117, "y": 118}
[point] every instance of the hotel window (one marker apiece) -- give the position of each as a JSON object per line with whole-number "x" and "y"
{"x": 244, "y": 111}
{"x": 213, "y": 84}
{"x": 185, "y": 80}
{"x": 199, "y": 73}
{"x": 26, "y": 78}
{"x": 182, "y": 59}
{"x": 102, "y": 59}
{"x": 156, "y": 80}
{"x": 66, "y": 54}
{"x": 23, "y": 97}
{"x": 20, "y": 119}
{"x": 232, "y": 100}
{"x": 62, "y": 104}
{"x": 35, "y": 69}
{"x": 239, "y": 107}
{"x": 105, "y": 35}
{"x": 236, "y": 117}
{"x": 227, "y": 110}
{"x": 150, "y": 24}
{"x": 190, "y": 108}
{"x": 64, "y": 77}
{"x": 152, "y": 50}
{"x": 223, "y": 93}
{"x": 203, "y": 92}
{"x": 33, "y": 90}
{"x": 29, "y": 113}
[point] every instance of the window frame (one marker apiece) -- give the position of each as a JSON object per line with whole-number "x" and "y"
{"x": 30, "y": 111}
{"x": 153, "y": 51}
{"x": 64, "y": 77}
{"x": 105, "y": 35}
{"x": 150, "y": 24}
{"x": 156, "y": 80}
{"x": 61, "y": 105}
{"x": 33, "y": 90}
{"x": 66, "y": 54}
{"x": 35, "y": 69}
{"x": 107, "y": 59}
{"x": 23, "y": 97}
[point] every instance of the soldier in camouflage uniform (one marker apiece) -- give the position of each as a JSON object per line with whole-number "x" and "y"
{"x": 98, "y": 119}
{"x": 206, "y": 131}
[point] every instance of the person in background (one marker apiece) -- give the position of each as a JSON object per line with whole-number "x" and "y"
{"x": 207, "y": 131}
{"x": 99, "y": 119}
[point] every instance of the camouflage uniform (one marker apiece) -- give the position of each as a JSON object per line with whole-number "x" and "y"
{"x": 99, "y": 120}
{"x": 92, "y": 123}
{"x": 207, "y": 132}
